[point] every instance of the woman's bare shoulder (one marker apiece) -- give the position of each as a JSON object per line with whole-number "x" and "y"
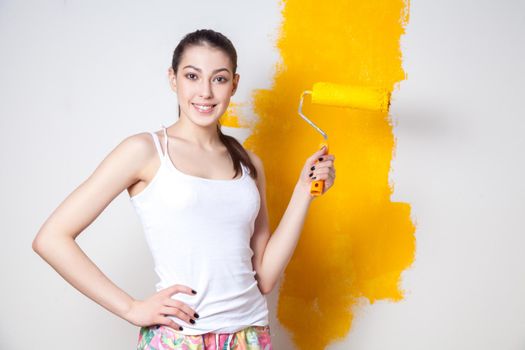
{"x": 141, "y": 142}
{"x": 138, "y": 150}
{"x": 129, "y": 161}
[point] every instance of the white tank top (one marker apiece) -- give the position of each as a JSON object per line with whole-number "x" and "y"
{"x": 199, "y": 231}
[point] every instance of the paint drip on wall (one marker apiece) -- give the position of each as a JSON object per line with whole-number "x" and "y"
{"x": 356, "y": 242}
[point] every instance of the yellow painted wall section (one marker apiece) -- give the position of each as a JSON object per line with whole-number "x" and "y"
{"x": 231, "y": 118}
{"x": 356, "y": 242}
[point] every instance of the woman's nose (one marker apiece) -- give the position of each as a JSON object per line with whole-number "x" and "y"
{"x": 205, "y": 89}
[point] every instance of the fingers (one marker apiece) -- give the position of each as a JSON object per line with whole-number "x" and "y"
{"x": 317, "y": 154}
{"x": 325, "y": 163}
{"x": 179, "y": 288}
{"x": 166, "y": 321}
{"x": 176, "y": 308}
{"x": 320, "y": 158}
{"x": 186, "y": 312}
{"x": 322, "y": 169}
{"x": 179, "y": 313}
{"x": 323, "y": 174}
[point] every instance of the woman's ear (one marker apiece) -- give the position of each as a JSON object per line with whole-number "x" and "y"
{"x": 172, "y": 79}
{"x": 235, "y": 82}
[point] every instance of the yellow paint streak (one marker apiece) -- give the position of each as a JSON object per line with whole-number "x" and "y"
{"x": 230, "y": 118}
{"x": 356, "y": 243}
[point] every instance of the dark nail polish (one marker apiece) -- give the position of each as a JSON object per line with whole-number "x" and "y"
{"x": 312, "y": 168}
{"x": 180, "y": 328}
{"x": 192, "y": 321}
{"x": 313, "y": 178}
{"x": 320, "y": 159}
{"x": 196, "y": 315}
{"x": 194, "y": 292}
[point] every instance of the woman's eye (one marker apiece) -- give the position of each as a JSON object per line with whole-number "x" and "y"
{"x": 190, "y": 75}
{"x": 223, "y": 79}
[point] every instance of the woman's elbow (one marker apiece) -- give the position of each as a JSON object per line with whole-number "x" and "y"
{"x": 42, "y": 243}
{"x": 38, "y": 244}
{"x": 265, "y": 288}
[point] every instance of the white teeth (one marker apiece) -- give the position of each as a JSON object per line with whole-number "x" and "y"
{"x": 203, "y": 107}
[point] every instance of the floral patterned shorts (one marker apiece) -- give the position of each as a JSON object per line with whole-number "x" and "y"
{"x": 164, "y": 338}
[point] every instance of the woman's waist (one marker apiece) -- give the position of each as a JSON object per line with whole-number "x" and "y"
{"x": 221, "y": 298}
{"x": 226, "y": 317}
{"x": 211, "y": 290}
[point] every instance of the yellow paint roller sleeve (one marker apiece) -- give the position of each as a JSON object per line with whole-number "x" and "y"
{"x": 362, "y": 97}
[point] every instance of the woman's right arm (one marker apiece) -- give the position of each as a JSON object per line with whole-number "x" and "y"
{"x": 55, "y": 241}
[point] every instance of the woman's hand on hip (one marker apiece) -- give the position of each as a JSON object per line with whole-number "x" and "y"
{"x": 156, "y": 309}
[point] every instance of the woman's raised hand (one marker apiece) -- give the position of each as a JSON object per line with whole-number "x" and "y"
{"x": 155, "y": 309}
{"x": 323, "y": 169}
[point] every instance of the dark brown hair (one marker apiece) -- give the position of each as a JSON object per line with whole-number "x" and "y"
{"x": 218, "y": 41}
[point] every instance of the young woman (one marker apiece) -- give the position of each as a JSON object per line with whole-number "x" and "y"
{"x": 207, "y": 229}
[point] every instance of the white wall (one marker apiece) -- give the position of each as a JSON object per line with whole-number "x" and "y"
{"x": 77, "y": 77}
{"x": 459, "y": 163}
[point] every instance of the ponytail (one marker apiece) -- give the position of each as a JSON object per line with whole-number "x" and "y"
{"x": 237, "y": 153}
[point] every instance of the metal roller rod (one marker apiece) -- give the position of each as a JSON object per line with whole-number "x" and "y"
{"x": 308, "y": 92}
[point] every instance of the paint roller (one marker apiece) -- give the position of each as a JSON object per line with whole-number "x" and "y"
{"x": 351, "y": 96}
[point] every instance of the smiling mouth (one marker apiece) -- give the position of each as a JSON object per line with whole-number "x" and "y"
{"x": 204, "y": 108}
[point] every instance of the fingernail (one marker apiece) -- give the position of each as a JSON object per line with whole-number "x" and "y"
{"x": 196, "y": 315}
{"x": 312, "y": 168}
{"x": 180, "y": 328}
{"x": 192, "y": 321}
{"x": 320, "y": 159}
{"x": 313, "y": 177}
{"x": 194, "y": 292}
{"x": 311, "y": 174}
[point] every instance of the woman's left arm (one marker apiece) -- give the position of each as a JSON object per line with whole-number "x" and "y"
{"x": 272, "y": 253}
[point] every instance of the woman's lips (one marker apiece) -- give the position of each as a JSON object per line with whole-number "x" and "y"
{"x": 205, "y": 108}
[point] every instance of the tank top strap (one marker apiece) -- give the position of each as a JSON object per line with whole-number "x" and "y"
{"x": 165, "y": 139}
{"x": 157, "y": 143}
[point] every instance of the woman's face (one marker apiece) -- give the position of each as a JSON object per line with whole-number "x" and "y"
{"x": 204, "y": 84}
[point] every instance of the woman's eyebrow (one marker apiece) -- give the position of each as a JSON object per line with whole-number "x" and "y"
{"x": 200, "y": 70}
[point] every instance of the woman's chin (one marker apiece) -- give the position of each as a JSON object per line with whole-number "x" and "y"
{"x": 207, "y": 121}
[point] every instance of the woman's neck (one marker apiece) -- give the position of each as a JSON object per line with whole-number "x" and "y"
{"x": 205, "y": 138}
